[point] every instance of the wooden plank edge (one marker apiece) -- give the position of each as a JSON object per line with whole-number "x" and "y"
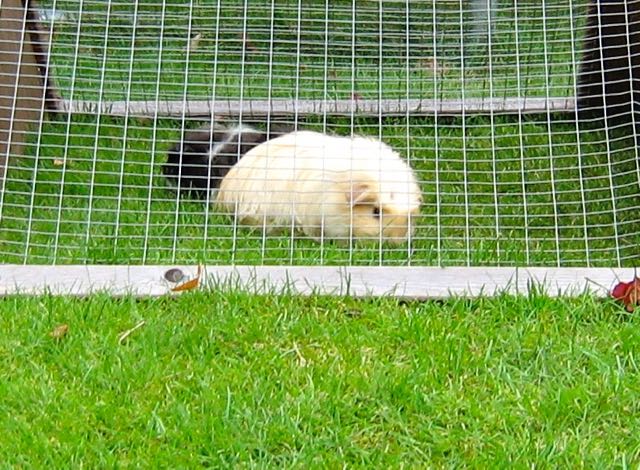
{"x": 402, "y": 282}
{"x": 288, "y": 108}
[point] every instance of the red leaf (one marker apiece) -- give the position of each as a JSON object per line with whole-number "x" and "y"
{"x": 619, "y": 290}
{"x": 628, "y": 293}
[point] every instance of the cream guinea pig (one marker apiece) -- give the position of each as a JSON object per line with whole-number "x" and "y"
{"x": 327, "y": 187}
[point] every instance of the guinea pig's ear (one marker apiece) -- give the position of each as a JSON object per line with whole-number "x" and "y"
{"x": 361, "y": 193}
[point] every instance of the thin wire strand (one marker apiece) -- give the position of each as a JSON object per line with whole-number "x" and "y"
{"x": 523, "y": 164}
{"x": 407, "y": 116}
{"x": 492, "y": 126}
{"x": 126, "y": 128}
{"x": 436, "y": 138}
{"x": 38, "y": 146}
{"x": 296, "y": 100}
{"x": 614, "y": 211}
{"x": 147, "y": 222}
{"x": 185, "y": 87}
{"x": 68, "y": 133}
{"x": 465, "y": 164}
{"x": 354, "y": 96}
{"x": 214, "y": 97}
{"x": 380, "y": 96}
{"x": 96, "y": 138}
{"x": 583, "y": 202}
{"x": 325, "y": 96}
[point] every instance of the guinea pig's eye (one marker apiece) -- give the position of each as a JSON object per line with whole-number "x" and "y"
{"x": 376, "y": 212}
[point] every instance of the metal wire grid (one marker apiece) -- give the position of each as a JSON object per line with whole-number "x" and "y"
{"x": 515, "y": 189}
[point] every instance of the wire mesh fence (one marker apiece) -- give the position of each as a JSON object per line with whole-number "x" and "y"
{"x": 478, "y": 97}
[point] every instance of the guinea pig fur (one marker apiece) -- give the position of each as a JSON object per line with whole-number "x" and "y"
{"x": 327, "y": 187}
{"x": 197, "y": 163}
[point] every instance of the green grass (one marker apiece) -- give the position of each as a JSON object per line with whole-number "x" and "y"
{"x": 520, "y": 192}
{"x": 309, "y": 52}
{"x": 501, "y": 190}
{"x": 225, "y": 379}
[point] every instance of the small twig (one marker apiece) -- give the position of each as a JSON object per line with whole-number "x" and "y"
{"x": 125, "y": 334}
{"x": 302, "y": 362}
{"x": 598, "y": 284}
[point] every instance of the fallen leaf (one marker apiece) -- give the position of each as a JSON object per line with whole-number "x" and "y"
{"x": 628, "y": 293}
{"x": 125, "y": 334}
{"x": 190, "y": 284}
{"x": 61, "y": 162}
{"x": 59, "y": 331}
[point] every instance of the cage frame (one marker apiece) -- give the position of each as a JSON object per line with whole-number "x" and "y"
{"x": 402, "y": 282}
{"x": 27, "y": 89}
{"x": 399, "y": 281}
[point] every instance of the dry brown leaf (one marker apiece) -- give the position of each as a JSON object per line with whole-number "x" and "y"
{"x": 59, "y": 331}
{"x": 190, "y": 284}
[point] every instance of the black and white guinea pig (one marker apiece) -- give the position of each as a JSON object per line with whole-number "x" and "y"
{"x": 197, "y": 163}
{"x": 325, "y": 186}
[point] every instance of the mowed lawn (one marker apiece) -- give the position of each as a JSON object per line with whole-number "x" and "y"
{"x": 224, "y": 379}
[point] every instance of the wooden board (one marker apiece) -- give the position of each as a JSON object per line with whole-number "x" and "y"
{"x": 402, "y": 282}
{"x": 26, "y": 89}
{"x": 21, "y": 87}
{"x": 289, "y": 108}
